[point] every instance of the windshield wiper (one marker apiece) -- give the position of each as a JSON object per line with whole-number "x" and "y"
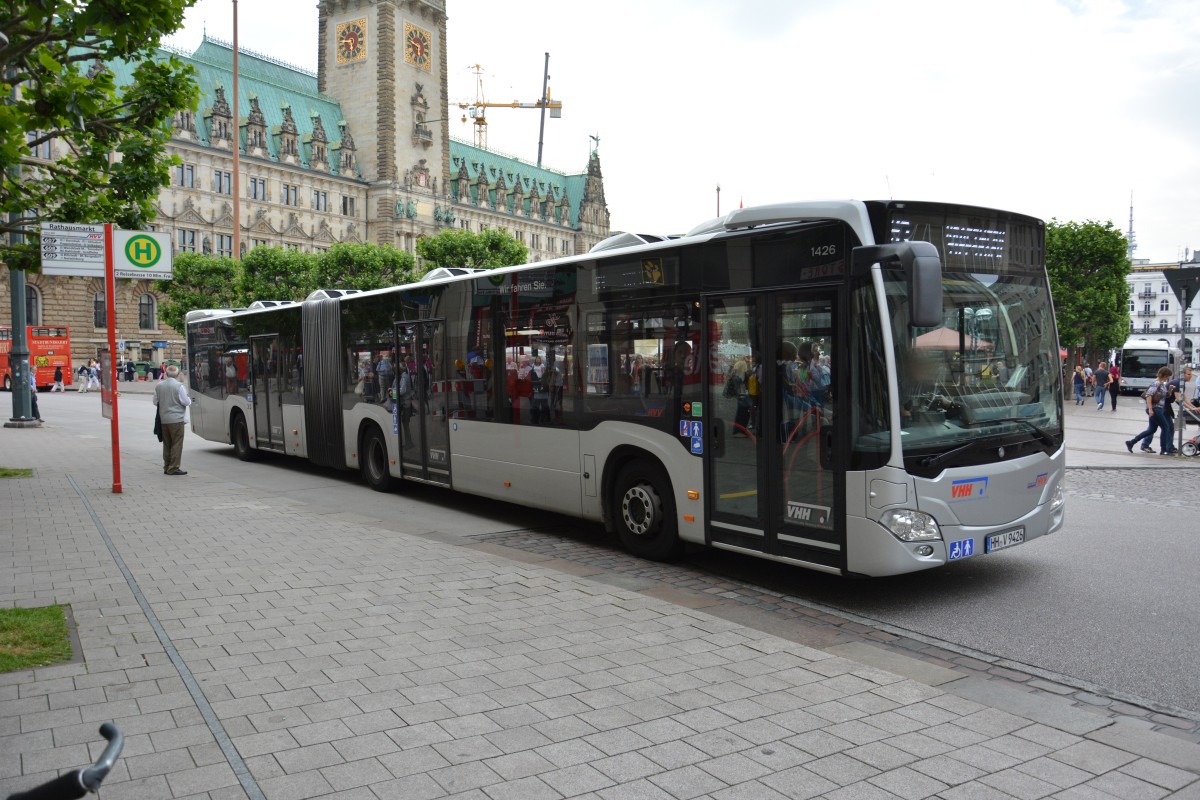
{"x": 1041, "y": 433}
{"x": 1038, "y": 431}
{"x": 933, "y": 461}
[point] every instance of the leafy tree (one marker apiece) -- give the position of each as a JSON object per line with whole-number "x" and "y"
{"x": 273, "y": 273}
{"x": 53, "y": 55}
{"x": 199, "y": 281}
{"x": 487, "y": 249}
{"x": 1088, "y": 263}
{"x": 363, "y": 266}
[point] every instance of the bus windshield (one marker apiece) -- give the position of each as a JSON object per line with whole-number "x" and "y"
{"x": 991, "y": 369}
{"x": 1143, "y": 363}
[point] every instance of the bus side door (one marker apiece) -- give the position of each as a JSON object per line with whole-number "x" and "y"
{"x": 774, "y": 481}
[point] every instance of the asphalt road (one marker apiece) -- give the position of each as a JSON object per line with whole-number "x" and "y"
{"x": 1111, "y": 600}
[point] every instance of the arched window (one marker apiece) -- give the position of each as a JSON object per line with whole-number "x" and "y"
{"x": 1146, "y": 326}
{"x": 147, "y": 313}
{"x": 99, "y": 312}
{"x": 33, "y": 305}
{"x": 1165, "y": 305}
{"x": 1132, "y": 307}
{"x": 1163, "y": 325}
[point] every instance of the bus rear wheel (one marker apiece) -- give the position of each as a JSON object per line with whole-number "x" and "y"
{"x": 373, "y": 461}
{"x": 644, "y": 512}
{"x": 8, "y": 383}
{"x": 241, "y": 439}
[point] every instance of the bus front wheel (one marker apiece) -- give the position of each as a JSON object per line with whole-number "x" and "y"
{"x": 644, "y": 512}
{"x": 8, "y": 383}
{"x": 241, "y": 439}
{"x": 373, "y": 460}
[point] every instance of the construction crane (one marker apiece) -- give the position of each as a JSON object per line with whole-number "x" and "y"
{"x": 477, "y": 111}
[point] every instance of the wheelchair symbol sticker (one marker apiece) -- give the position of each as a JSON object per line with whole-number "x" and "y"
{"x": 960, "y": 549}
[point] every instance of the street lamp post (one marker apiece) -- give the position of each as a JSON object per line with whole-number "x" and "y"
{"x": 18, "y": 356}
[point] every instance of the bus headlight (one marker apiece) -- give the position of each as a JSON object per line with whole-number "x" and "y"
{"x": 1057, "y": 501}
{"x": 910, "y": 526}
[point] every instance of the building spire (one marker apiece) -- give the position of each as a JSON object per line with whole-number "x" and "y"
{"x": 1131, "y": 237}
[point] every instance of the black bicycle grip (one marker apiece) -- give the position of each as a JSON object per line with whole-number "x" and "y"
{"x": 64, "y": 787}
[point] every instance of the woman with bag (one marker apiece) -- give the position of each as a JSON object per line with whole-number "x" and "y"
{"x": 1156, "y": 408}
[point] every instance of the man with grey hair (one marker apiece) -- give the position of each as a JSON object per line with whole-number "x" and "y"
{"x": 172, "y": 400}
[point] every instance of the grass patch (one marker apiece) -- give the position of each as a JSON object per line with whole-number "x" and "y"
{"x": 15, "y": 472}
{"x": 33, "y": 637}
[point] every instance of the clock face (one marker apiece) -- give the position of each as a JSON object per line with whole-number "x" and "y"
{"x": 352, "y": 41}
{"x": 418, "y": 47}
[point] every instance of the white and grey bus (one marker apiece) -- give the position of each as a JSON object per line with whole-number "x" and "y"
{"x": 861, "y": 388}
{"x": 1140, "y": 359}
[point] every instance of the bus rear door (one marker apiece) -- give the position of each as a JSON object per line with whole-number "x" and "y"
{"x": 422, "y": 421}
{"x": 267, "y": 392}
{"x": 774, "y": 479}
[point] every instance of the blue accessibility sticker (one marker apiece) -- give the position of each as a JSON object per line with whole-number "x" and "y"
{"x": 960, "y": 549}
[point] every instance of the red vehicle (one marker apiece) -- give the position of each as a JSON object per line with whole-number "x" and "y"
{"x": 49, "y": 347}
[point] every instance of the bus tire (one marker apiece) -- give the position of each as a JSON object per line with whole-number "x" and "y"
{"x": 643, "y": 512}
{"x": 8, "y": 383}
{"x": 241, "y": 438}
{"x": 373, "y": 460}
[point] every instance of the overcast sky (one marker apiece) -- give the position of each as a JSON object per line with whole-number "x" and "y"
{"x": 1055, "y": 109}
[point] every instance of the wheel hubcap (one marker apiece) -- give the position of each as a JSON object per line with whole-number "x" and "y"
{"x": 640, "y": 509}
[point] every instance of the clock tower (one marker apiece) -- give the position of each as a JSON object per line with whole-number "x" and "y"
{"x": 385, "y": 63}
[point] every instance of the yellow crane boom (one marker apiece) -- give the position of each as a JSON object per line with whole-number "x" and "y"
{"x": 478, "y": 114}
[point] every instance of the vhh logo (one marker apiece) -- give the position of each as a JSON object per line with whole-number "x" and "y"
{"x": 969, "y": 488}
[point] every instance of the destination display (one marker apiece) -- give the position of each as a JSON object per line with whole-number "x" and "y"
{"x": 971, "y": 242}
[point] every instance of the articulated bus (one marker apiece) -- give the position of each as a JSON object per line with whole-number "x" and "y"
{"x": 1140, "y": 360}
{"x": 860, "y": 388}
{"x": 49, "y": 347}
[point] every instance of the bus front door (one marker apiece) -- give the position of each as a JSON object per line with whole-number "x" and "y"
{"x": 266, "y": 391}
{"x": 420, "y": 415}
{"x": 771, "y": 413}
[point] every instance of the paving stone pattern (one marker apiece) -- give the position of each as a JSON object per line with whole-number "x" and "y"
{"x": 342, "y": 659}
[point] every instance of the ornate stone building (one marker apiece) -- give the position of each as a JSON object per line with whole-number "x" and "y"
{"x": 355, "y": 153}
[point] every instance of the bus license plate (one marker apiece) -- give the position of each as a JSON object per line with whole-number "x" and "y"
{"x": 999, "y": 541}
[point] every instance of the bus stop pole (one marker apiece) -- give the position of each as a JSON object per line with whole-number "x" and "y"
{"x": 110, "y": 300}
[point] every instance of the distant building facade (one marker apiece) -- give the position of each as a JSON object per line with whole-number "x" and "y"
{"x": 1155, "y": 312}
{"x": 357, "y": 152}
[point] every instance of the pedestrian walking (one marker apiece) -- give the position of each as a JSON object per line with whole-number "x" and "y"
{"x": 171, "y": 398}
{"x": 1176, "y": 393}
{"x": 1114, "y": 384}
{"x": 1156, "y": 400}
{"x": 33, "y": 405}
{"x": 84, "y": 379}
{"x": 94, "y": 376}
{"x": 58, "y": 380}
{"x": 1078, "y": 381}
{"x": 1100, "y": 378}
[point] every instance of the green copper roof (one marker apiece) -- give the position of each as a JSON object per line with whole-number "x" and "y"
{"x": 550, "y": 183}
{"x": 273, "y": 83}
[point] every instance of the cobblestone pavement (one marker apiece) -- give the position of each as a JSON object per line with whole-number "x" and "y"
{"x": 256, "y": 646}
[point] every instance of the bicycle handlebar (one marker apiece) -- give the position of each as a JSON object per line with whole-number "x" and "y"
{"x": 79, "y": 782}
